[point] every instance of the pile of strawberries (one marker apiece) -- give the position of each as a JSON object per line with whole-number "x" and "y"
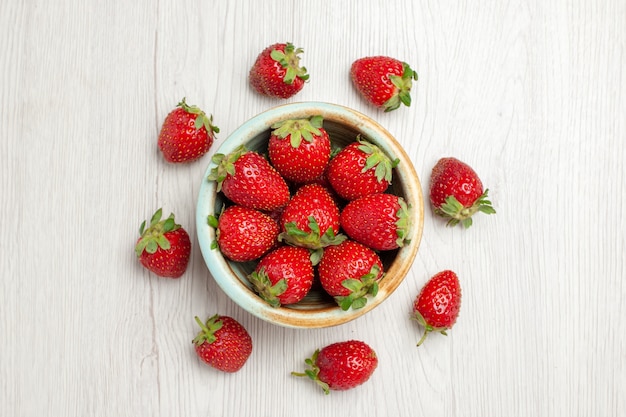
{"x": 288, "y": 213}
{"x": 308, "y": 209}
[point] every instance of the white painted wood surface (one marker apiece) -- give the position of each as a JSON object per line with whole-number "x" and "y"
{"x": 530, "y": 93}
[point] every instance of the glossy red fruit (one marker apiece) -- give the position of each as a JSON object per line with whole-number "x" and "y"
{"x": 187, "y": 134}
{"x": 379, "y": 221}
{"x": 223, "y": 343}
{"x": 248, "y": 179}
{"x": 360, "y": 169}
{"x": 164, "y": 247}
{"x": 350, "y": 273}
{"x": 341, "y": 366}
{"x": 456, "y": 192}
{"x": 311, "y": 218}
{"x": 437, "y": 306}
{"x": 277, "y": 72}
{"x": 299, "y": 149}
{"x": 284, "y": 276}
{"x": 383, "y": 81}
{"x": 244, "y": 234}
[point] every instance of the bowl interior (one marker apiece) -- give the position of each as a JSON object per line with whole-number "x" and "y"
{"x": 317, "y": 309}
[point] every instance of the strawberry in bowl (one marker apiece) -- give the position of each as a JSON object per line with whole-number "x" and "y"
{"x": 309, "y": 217}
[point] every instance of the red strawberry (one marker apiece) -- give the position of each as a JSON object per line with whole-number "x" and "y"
{"x": 187, "y": 134}
{"x": 311, "y": 218}
{"x": 299, "y": 149}
{"x": 248, "y": 179}
{"x": 284, "y": 276}
{"x": 277, "y": 72}
{"x": 244, "y": 234}
{"x": 323, "y": 181}
{"x": 360, "y": 169}
{"x": 349, "y": 272}
{"x": 164, "y": 247}
{"x": 383, "y": 81}
{"x": 379, "y": 221}
{"x": 437, "y": 305}
{"x": 341, "y": 366}
{"x": 456, "y": 192}
{"x": 223, "y": 343}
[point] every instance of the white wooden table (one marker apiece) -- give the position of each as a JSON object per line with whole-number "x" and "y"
{"x": 530, "y": 93}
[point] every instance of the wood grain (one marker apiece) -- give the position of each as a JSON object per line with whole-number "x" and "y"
{"x": 530, "y": 93}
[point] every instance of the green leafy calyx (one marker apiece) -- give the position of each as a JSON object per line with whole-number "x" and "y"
{"x": 290, "y": 61}
{"x": 153, "y": 238}
{"x": 377, "y": 160}
{"x": 359, "y": 289}
{"x": 298, "y": 129}
{"x": 417, "y": 316}
{"x": 201, "y": 118}
{"x": 453, "y": 210}
{"x": 264, "y": 287}
{"x": 225, "y": 165}
{"x": 403, "y": 224}
{"x": 314, "y": 239}
{"x": 208, "y": 330}
{"x": 312, "y": 371}
{"x": 214, "y": 223}
{"x": 403, "y": 86}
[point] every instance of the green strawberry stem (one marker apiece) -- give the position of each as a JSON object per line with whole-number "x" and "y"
{"x": 313, "y": 371}
{"x": 457, "y": 213}
{"x": 359, "y": 289}
{"x": 225, "y": 165}
{"x": 377, "y": 160}
{"x": 314, "y": 239}
{"x": 290, "y": 60}
{"x": 404, "y": 84}
{"x": 208, "y": 329}
{"x": 427, "y": 327}
{"x": 403, "y": 224}
{"x": 201, "y": 117}
{"x": 297, "y": 129}
{"x": 153, "y": 237}
{"x": 213, "y": 222}
{"x": 264, "y": 287}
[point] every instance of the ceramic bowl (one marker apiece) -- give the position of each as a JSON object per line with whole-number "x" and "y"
{"x": 317, "y": 309}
